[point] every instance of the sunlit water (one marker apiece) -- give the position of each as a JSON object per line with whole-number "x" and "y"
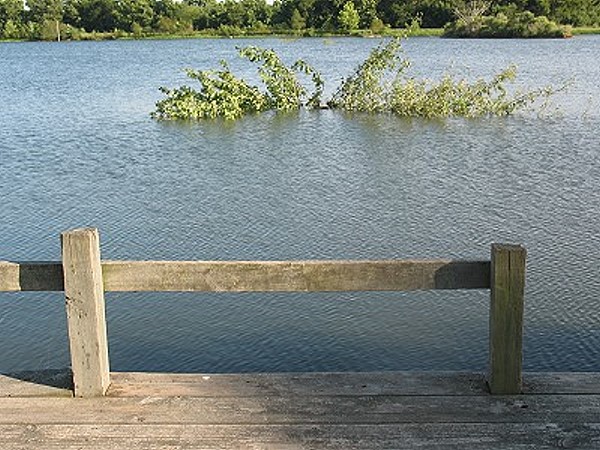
{"x": 77, "y": 148}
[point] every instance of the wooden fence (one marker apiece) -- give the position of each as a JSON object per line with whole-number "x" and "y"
{"x": 84, "y": 278}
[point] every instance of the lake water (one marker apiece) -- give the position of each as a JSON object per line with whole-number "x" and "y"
{"x": 78, "y": 148}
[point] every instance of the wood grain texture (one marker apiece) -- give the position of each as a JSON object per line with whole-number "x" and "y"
{"x": 139, "y": 384}
{"x": 249, "y": 276}
{"x": 368, "y": 409}
{"x": 394, "y": 410}
{"x": 425, "y": 436}
{"x": 506, "y": 318}
{"x": 85, "y": 307}
{"x": 297, "y": 384}
{"x": 293, "y": 276}
{"x": 561, "y": 383}
{"x": 342, "y": 383}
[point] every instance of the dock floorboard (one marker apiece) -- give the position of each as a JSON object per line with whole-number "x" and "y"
{"x": 383, "y": 410}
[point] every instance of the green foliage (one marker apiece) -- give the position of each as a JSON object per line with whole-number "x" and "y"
{"x": 377, "y": 26}
{"x": 380, "y": 84}
{"x": 48, "y": 30}
{"x": 137, "y": 30}
{"x": 11, "y": 12}
{"x": 367, "y": 10}
{"x": 516, "y": 25}
{"x": 508, "y": 7}
{"x": 575, "y": 12}
{"x": 297, "y": 22}
{"x": 42, "y": 10}
{"x": 366, "y": 89}
{"x": 434, "y": 13}
{"x": 470, "y": 13}
{"x": 284, "y": 89}
{"x": 10, "y": 30}
{"x": 97, "y": 15}
{"x": 222, "y": 94}
{"x": 130, "y": 12}
{"x": 110, "y": 19}
{"x": 459, "y": 98}
{"x": 229, "y": 30}
{"x": 348, "y": 17}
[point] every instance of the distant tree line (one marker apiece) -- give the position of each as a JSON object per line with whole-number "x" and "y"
{"x": 84, "y": 19}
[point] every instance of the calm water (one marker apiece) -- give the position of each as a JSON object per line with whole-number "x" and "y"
{"x": 77, "y": 148}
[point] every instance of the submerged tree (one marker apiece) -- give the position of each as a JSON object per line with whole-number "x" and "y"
{"x": 380, "y": 84}
{"x": 222, "y": 94}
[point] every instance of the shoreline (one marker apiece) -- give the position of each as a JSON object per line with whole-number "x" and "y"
{"x": 119, "y": 36}
{"x": 397, "y": 32}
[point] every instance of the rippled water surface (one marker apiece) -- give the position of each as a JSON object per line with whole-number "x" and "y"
{"x": 77, "y": 148}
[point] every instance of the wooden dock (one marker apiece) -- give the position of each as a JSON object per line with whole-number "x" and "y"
{"x": 394, "y": 410}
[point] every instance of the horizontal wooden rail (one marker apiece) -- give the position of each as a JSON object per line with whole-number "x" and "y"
{"x": 31, "y": 276}
{"x": 294, "y": 276}
{"x": 259, "y": 276}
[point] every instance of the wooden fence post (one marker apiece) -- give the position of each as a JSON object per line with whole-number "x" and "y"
{"x": 506, "y": 318}
{"x": 86, "y": 321}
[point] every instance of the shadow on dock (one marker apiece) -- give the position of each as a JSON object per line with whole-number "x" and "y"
{"x": 50, "y": 382}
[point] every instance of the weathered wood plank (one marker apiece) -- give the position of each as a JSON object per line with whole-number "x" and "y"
{"x": 31, "y": 276}
{"x": 506, "y": 318}
{"x": 45, "y": 383}
{"x": 376, "y": 409}
{"x": 132, "y": 384}
{"x": 561, "y": 383}
{"x": 85, "y": 311}
{"x": 124, "y": 384}
{"x": 425, "y": 436}
{"x": 247, "y": 276}
{"x": 240, "y": 276}
{"x": 312, "y": 410}
{"x": 294, "y": 384}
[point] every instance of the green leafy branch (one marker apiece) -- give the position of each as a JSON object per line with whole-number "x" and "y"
{"x": 222, "y": 94}
{"x": 379, "y": 84}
